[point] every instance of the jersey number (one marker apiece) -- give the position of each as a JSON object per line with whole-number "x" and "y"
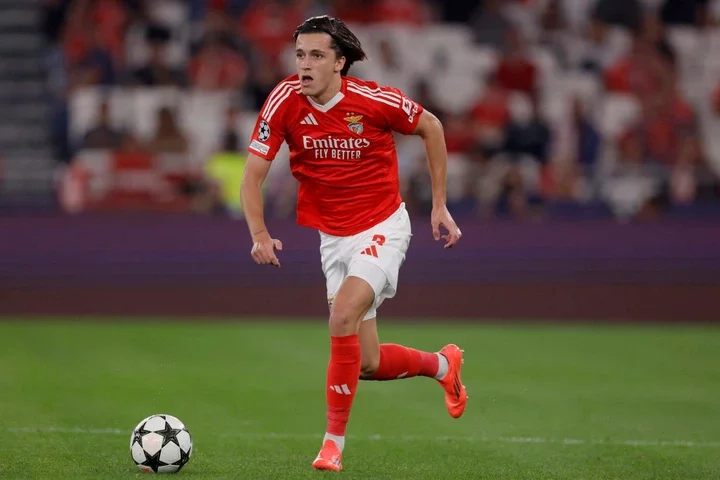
{"x": 379, "y": 239}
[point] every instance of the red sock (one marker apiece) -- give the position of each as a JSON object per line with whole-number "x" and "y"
{"x": 397, "y": 361}
{"x": 342, "y": 381}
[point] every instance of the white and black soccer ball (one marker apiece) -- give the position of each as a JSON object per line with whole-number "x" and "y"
{"x": 161, "y": 444}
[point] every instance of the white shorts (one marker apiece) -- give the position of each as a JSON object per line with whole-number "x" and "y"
{"x": 374, "y": 255}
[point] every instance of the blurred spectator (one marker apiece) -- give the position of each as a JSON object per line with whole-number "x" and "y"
{"x": 640, "y": 71}
{"x": 156, "y": 73}
{"x": 685, "y": 12}
{"x": 96, "y": 65}
{"x": 168, "y": 136}
{"x": 489, "y": 24}
{"x": 351, "y": 11}
{"x": 516, "y": 71}
{"x": 387, "y": 69}
{"x": 217, "y": 67}
{"x": 525, "y": 157}
{"x": 422, "y": 94}
{"x": 269, "y": 25}
{"x": 491, "y": 115}
{"x": 54, "y": 17}
{"x": 215, "y": 25}
{"x": 263, "y": 78}
{"x": 223, "y": 174}
{"x": 622, "y": 13}
{"x": 200, "y": 8}
{"x": 576, "y": 152}
{"x": 455, "y": 12}
{"x": 103, "y": 135}
{"x": 668, "y": 129}
{"x": 631, "y": 187}
{"x": 528, "y": 137}
{"x": 110, "y": 18}
{"x": 408, "y": 12}
{"x": 601, "y": 47}
{"x": 554, "y": 32}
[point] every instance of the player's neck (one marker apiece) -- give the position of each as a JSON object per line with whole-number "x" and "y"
{"x": 330, "y": 91}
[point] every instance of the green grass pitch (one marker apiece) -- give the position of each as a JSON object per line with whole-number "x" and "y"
{"x": 546, "y": 402}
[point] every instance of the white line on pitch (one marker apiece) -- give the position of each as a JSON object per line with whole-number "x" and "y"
{"x": 405, "y": 438}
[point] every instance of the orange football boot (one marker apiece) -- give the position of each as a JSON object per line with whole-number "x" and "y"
{"x": 455, "y": 394}
{"x": 329, "y": 458}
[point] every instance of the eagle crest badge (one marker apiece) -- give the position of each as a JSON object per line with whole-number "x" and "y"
{"x": 354, "y": 123}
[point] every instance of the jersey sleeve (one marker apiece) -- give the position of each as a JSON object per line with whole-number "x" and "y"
{"x": 269, "y": 132}
{"x": 401, "y": 112}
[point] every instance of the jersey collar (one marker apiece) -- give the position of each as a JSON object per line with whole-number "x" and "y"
{"x": 333, "y": 101}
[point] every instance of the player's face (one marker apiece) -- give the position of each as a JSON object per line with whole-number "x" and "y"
{"x": 317, "y": 63}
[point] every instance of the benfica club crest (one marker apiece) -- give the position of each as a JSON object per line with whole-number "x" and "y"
{"x": 354, "y": 123}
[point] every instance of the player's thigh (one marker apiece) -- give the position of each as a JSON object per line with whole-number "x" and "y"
{"x": 352, "y": 301}
{"x": 334, "y": 267}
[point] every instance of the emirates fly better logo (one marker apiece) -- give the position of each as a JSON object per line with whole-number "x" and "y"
{"x": 336, "y": 147}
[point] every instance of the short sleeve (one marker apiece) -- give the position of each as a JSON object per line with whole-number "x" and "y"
{"x": 269, "y": 132}
{"x": 402, "y": 113}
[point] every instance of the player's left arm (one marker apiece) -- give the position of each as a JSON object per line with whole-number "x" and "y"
{"x": 430, "y": 129}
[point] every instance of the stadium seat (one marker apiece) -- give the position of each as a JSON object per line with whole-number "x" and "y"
{"x": 617, "y": 112}
{"x": 455, "y": 92}
{"x": 547, "y": 65}
{"x": 474, "y": 61}
{"x": 202, "y": 116}
{"x": 143, "y": 105}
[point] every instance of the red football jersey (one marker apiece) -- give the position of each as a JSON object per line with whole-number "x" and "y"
{"x": 342, "y": 153}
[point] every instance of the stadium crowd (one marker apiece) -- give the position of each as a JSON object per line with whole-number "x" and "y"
{"x": 580, "y": 107}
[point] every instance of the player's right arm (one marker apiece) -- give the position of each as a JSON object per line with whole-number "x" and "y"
{"x": 263, "y": 251}
{"x": 268, "y": 136}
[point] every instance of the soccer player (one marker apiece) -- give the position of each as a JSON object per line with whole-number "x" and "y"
{"x": 339, "y": 133}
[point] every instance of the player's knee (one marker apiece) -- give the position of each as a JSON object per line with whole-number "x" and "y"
{"x": 344, "y": 320}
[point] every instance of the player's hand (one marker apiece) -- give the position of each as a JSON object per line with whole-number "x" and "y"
{"x": 440, "y": 216}
{"x": 263, "y": 250}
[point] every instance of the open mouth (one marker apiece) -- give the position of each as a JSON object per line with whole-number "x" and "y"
{"x": 306, "y": 80}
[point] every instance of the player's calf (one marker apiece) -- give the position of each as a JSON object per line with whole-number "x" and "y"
{"x": 368, "y": 367}
{"x": 397, "y": 361}
{"x": 370, "y": 347}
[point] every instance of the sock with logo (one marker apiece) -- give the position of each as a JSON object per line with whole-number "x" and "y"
{"x": 397, "y": 361}
{"x": 342, "y": 380}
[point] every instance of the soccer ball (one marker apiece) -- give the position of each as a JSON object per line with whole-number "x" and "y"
{"x": 160, "y": 444}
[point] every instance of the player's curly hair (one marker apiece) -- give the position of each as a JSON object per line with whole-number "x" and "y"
{"x": 344, "y": 42}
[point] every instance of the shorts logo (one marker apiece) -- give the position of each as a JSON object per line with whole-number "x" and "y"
{"x": 372, "y": 249}
{"x": 354, "y": 123}
{"x": 263, "y": 131}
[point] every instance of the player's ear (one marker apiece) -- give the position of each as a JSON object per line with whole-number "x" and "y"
{"x": 339, "y": 64}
